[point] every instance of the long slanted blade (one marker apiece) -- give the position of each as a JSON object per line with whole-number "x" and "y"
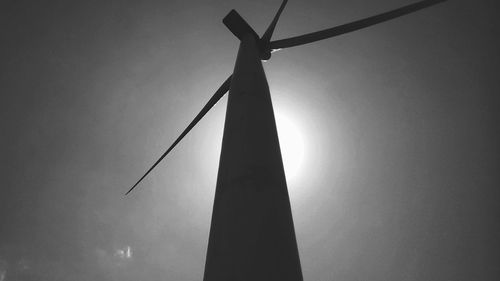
{"x": 269, "y": 32}
{"x": 213, "y": 100}
{"x": 345, "y": 28}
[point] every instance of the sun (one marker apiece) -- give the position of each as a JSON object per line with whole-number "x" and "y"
{"x": 291, "y": 145}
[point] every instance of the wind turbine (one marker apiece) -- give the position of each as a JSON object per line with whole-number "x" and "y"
{"x": 252, "y": 235}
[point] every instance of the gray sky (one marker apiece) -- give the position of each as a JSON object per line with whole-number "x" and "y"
{"x": 399, "y": 179}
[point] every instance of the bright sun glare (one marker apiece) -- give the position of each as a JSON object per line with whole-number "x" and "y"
{"x": 292, "y": 141}
{"x": 291, "y": 144}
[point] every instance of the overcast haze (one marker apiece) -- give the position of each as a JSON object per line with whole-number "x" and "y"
{"x": 400, "y": 125}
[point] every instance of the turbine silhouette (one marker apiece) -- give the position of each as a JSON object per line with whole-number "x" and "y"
{"x": 252, "y": 235}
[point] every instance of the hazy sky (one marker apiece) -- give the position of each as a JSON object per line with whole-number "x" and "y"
{"x": 400, "y": 127}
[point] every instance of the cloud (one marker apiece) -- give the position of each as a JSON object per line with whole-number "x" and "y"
{"x": 124, "y": 254}
{"x": 117, "y": 258}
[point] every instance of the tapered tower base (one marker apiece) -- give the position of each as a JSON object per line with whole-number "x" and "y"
{"x": 252, "y": 234}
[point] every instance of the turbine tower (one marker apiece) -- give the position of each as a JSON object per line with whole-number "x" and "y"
{"x": 252, "y": 235}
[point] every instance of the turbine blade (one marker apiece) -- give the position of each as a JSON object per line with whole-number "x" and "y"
{"x": 269, "y": 32}
{"x": 238, "y": 26}
{"x": 349, "y": 27}
{"x": 213, "y": 100}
